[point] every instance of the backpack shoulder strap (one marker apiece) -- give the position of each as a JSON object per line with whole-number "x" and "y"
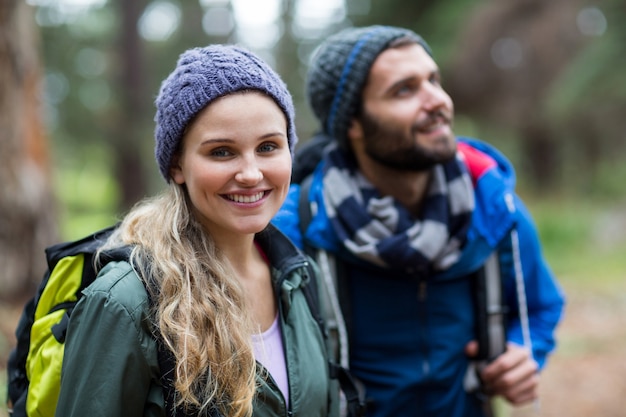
{"x": 353, "y": 392}
{"x": 333, "y": 323}
{"x": 490, "y": 309}
{"x": 311, "y": 294}
{"x": 335, "y": 301}
{"x": 167, "y": 364}
{"x": 490, "y": 323}
{"x": 304, "y": 206}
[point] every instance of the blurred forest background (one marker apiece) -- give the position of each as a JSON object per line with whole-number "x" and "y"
{"x": 541, "y": 79}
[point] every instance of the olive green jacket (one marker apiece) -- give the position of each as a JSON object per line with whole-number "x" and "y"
{"x": 111, "y": 369}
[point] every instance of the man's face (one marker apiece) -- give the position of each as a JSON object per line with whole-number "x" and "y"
{"x": 407, "y": 116}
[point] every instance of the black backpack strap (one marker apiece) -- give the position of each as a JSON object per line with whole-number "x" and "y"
{"x": 490, "y": 323}
{"x": 353, "y": 391}
{"x": 165, "y": 357}
{"x": 308, "y": 155}
{"x": 16, "y": 365}
{"x": 304, "y": 207}
{"x": 167, "y": 368}
{"x": 491, "y": 309}
{"x": 167, "y": 364}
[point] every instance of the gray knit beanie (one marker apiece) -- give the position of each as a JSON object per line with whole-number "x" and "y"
{"x": 339, "y": 70}
{"x": 203, "y": 75}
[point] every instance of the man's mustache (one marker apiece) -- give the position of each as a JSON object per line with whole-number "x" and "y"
{"x": 432, "y": 118}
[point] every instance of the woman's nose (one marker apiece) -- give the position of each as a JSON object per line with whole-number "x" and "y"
{"x": 249, "y": 173}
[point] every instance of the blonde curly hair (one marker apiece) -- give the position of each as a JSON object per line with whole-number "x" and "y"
{"x": 200, "y": 305}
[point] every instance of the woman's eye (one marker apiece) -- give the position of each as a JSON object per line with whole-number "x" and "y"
{"x": 267, "y": 147}
{"x": 220, "y": 153}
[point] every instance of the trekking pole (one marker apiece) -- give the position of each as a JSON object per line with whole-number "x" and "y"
{"x": 522, "y": 303}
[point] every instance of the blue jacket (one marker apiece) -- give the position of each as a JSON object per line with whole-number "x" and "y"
{"x": 407, "y": 335}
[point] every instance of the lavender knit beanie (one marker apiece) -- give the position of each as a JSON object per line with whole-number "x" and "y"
{"x": 203, "y": 75}
{"x": 339, "y": 69}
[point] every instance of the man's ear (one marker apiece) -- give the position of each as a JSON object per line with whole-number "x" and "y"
{"x": 355, "y": 131}
{"x": 176, "y": 171}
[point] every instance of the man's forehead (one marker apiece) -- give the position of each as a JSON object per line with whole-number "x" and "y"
{"x": 412, "y": 54}
{"x": 401, "y": 62}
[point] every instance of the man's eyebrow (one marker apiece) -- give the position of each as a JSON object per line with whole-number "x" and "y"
{"x": 399, "y": 83}
{"x": 435, "y": 73}
{"x": 405, "y": 80}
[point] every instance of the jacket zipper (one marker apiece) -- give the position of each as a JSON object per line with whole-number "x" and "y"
{"x": 281, "y": 315}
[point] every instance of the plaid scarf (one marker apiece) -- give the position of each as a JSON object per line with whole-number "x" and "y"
{"x": 379, "y": 230}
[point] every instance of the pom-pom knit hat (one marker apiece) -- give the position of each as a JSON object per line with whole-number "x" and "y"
{"x": 203, "y": 75}
{"x": 339, "y": 69}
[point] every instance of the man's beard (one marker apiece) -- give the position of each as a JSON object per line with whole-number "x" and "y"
{"x": 392, "y": 148}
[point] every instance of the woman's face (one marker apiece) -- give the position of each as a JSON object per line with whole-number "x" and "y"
{"x": 236, "y": 163}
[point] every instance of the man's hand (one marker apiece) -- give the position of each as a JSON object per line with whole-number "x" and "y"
{"x": 512, "y": 375}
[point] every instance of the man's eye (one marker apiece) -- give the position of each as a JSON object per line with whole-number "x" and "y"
{"x": 435, "y": 79}
{"x": 405, "y": 90}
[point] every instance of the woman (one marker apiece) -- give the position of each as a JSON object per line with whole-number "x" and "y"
{"x": 226, "y": 287}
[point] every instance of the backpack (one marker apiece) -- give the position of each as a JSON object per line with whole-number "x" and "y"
{"x": 34, "y": 365}
{"x": 489, "y": 305}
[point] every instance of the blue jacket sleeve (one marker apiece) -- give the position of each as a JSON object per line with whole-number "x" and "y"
{"x": 544, "y": 297}
{"x": 287, "y": 220}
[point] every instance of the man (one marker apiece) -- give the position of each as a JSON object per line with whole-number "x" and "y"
{"x": 412, "y": 212}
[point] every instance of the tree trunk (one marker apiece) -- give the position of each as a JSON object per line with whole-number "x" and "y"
{"x": 541, "y": 156}
{"x": 27, "y": 220}
{"x": 127, "y": 135}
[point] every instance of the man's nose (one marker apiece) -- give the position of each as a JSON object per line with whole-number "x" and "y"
{"x": 433, "y": 96}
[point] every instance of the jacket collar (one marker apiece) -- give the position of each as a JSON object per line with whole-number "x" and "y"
{"x": 281, "y": 252}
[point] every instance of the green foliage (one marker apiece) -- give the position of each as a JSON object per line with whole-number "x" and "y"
{"x": 3, "y": 389}
{"x": 584, "y": 105}
{"x": 609, "y": 179}
{"x": 88, "y": 194}
{"x": 583, "y": 239}
{"x": 437, "y": 21}
{"x": 591, "y": 78}
{"x": 440, "y": 24}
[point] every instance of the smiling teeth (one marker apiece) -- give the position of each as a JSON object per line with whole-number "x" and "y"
{"x": 432, "y": 127}
{"x": 246, "y": 198}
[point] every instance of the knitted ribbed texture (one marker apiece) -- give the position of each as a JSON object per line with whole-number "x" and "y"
{"x": 339, "y": 70}
{"x": 203, "y": 75}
